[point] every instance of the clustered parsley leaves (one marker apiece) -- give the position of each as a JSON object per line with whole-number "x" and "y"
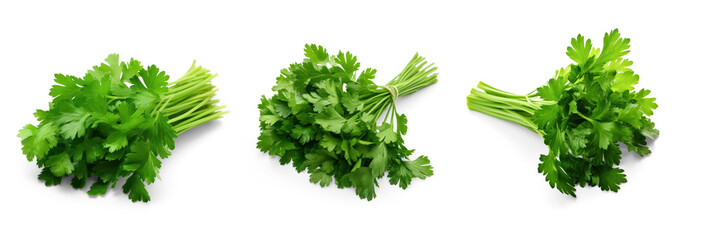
{"x": 324, "y": 119}
{"x": 118, "y": 120}
{"x": 583, "y": 113}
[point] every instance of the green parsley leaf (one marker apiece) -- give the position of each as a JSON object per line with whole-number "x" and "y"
{"x": 60, "y": 164}
{"x": 580, "y": 49}
{"x": 331, "y": 120}
{"x": 405, "y": 171}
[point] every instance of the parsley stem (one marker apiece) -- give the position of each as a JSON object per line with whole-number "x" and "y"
{"x": 498, "y": 105}
{"x": 181, "y": 91}
{"x": 507, "y": 106}
{"x": 196, "y": 117}
{"x": 182, "y": 128}
{"x": 416, "y": 75}
{"x": 585, "y": 117}
{"x": 530, "y": 106}
{"x": 506, "y": 115}
{"x": 192, "y": 72}
{"x": 180, "y": 108}
{"x": 115, "y": 97}
{"x": 188, "y": 102}
{"x": 184, "y": 115}
{"x": 196, "y": 82}
{"x": 497, "y": 92}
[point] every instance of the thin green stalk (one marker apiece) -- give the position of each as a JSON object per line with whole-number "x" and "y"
{"x": 203, "y": 113}
{"x": 179, "y": 105}
{"x": 508, "y": 115}
{"x": 497, "y": 92}
{"x": 182, "y": 128}
{"x": 188, "y": 102}
{"x": 415, "y": 76}
{"x": 507, "y": 106}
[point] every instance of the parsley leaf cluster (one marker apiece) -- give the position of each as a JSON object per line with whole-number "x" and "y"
{"x": 118, "y": 120}
{"x": 583, "y": 113}
{"x": 324, "y": 119}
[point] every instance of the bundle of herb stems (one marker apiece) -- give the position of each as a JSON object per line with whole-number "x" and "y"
{"x": 413, "y": 77}
{"x": 192, "y": 92}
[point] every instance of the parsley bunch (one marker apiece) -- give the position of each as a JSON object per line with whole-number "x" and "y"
{"x": 583, "y": 113}
{"x": 117, "y": 121}
{"x": 324, "y": 118}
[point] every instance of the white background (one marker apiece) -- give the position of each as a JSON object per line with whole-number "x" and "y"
{"x": 486, "y": 186}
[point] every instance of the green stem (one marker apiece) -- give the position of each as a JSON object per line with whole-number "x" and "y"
{"x": 507, "y": 106}
{"x": 416, "y": 75}
{"x": 188, "y": 102}
{"x": 200, "y": 119}
{"x": 497, "y": 92}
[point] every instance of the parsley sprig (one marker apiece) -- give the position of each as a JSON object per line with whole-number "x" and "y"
{"x": 118, "y": 120}
{"x": 324, "y": 119}
{"x": 583, "y": 113}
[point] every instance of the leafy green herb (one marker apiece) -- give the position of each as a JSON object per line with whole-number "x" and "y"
{"x": 324, "y": 119}
{"x": 119, "y": 120}
{"x": 583, "y": 113}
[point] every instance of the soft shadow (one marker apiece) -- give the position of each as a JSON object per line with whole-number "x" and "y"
{"x": 561, "y": 200}
{"x": 564, "y": 200}
{"x": 66, "y": 188}
{"x": 184, "y": 139}
{"x": 197, "y": 133}
{"x": 626, "y": 154}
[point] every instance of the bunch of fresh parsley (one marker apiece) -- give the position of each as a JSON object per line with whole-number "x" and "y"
{"x": 582, "y": 113}
{"x": 324, "y": 119}
{"x": 116, "y": 121}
